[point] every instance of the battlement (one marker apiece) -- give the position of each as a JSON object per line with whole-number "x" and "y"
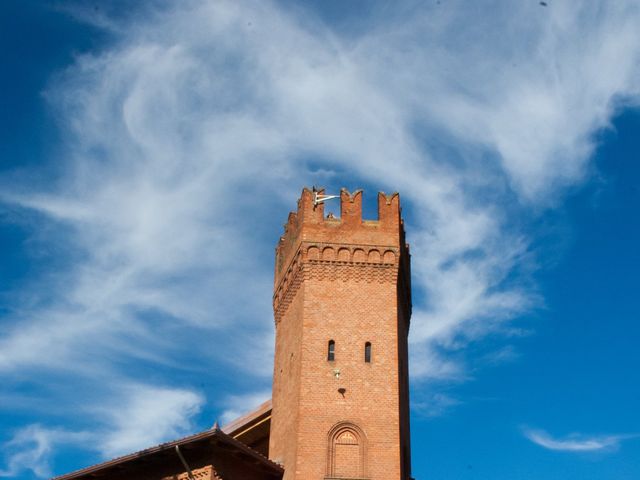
{"x": 311, "y": 212}
{"x": 309, "y": 224}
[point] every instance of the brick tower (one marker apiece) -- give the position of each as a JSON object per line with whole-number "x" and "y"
{"x": 342, "y": 303}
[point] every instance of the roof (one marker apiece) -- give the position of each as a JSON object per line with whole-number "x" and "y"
{"x": 199, "y": 440}
{"x": 250, "y": 420}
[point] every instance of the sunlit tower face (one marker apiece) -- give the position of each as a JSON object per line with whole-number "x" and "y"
{"x": 342, "y": 305}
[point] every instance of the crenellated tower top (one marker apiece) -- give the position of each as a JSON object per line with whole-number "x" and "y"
{"x": 310, "y": 235}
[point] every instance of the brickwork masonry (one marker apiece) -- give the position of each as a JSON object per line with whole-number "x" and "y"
{"x": 345, "y": 281}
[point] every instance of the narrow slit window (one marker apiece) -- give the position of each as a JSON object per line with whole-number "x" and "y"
{"x": 331, "y": 351}
{"x": 367, "y": 352}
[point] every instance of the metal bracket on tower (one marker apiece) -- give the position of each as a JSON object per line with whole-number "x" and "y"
{"x": 318, "y": 198}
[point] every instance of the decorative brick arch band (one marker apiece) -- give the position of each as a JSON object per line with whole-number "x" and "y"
{"x": 346, "y": 452}
{"x": 340, "y": 262}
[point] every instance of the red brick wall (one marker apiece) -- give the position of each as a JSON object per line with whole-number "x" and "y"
{"x": 345, "y": 280}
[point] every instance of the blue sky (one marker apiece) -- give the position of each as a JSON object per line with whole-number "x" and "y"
{"x": 149, "y": 157}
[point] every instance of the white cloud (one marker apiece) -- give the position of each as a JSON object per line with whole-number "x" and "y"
{"x": 146, "y": 416}
{"x": 177, "y": 132}
{"x": 576, "y": 442}
{"x": 238, "y": 405}
{"x": 31, "y": 447}
{"x": 434, "y": 405}
{"x": 137, "y": 416}
{"x": 190, "y": 135}
{"x": 34, "y": 447}
{"x": 528, "y": 83}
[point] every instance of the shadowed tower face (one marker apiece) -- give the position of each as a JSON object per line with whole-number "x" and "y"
{"x": 342, "y": 303}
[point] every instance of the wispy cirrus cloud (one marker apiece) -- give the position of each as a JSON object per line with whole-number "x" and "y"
{"x": 136, "y": 417}
{"x": 434, "y": 405}
{"x": 576, "y": 442}
{"x": 148, "y": 415}
{"x": 171, "y": 142}
{"x": 31, "y": 447}
{"x": 238, "y": 405}
{"x": 189, "y": 135}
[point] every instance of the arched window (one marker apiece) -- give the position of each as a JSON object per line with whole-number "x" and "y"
{"x": 346, "y": 451}
{"x": 367, "y": 352}
{"x": 331, "y": 351}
